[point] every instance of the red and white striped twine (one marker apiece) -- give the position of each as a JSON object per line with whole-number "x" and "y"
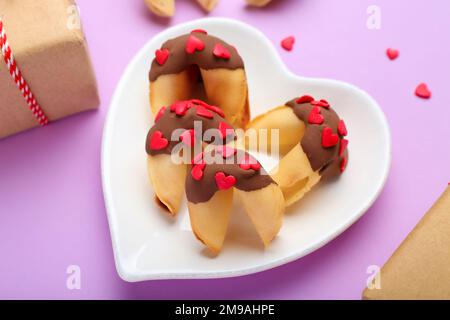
{"x": 19, "y": 79}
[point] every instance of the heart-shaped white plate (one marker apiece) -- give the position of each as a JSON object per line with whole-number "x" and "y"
{"x": 149, "y": 245}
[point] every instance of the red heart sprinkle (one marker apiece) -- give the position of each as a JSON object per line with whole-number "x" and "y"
{"x": 197, "y": 172}
{"x": 160, "y": 113}
{"x": 157, "y": 141}
{"x": 304, "y": 99}
{"x": 315, "y": 117}
{"x": 250, "y": 163}
{"x": 188, "y": 137}
{"x": 342, "y": 129}
{"x": 321, "y": 103}
{"x": 180, "y": 107}
{"x": 216, "y": 110}
{"x": 422, "y": 91}
{"x": 209, "y": 107}
{"x": 199, "y": 31}
{"x": 225, "y": 129}
{"x": 224, "y": 182}
{"x": 343, "y": 164}
{"x": 226, "y": 151}
{"x": 329, "y": 139}
{"x": 324, "y": 103}
{"x": 392, "y": 53}
{"x": 316, "y": 109}
{"x": 288, "y": 43}
{"x": 199, "y": 102}
{"x": 342, "y": 146}
{"x": 198, "y": 159}
{"x": 194, "y": 44}
{"x": 161, "y": 56}
{"x": 221, "y": 52}
{"x": 203, "y": 112}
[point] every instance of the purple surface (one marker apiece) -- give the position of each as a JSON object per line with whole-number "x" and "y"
{"x": 51, "y": 205}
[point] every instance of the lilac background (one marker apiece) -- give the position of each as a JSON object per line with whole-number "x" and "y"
{"x": 51, "y": 206}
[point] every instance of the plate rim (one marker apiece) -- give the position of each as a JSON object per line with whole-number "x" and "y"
{"x": 109, "y": 119}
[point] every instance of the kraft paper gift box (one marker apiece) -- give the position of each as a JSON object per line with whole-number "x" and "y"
{"x": 420, "y": 267}
{"x": 50, "y": 49}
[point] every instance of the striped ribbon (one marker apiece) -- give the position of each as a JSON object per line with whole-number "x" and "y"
{"x": 15, "y": 73}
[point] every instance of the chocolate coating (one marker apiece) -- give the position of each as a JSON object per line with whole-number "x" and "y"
{"x": 206, "y": 187}
{"x": 179, "y": 59}
{"x": 170, "y": 121}
{"x": 333, "y": 169}
{"x": 326, "y": 160}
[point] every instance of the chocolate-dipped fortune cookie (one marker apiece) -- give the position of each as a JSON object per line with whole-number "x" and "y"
{"x": 214, "y": 177}
{"x": 312, "y": 140}
{"x": 174, "y": 132}
{"x": 198, "y": 65}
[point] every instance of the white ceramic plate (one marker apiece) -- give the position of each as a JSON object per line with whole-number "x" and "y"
{"x": 149, "y": 245}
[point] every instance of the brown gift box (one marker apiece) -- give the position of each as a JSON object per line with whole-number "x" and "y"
{"x": 51, "y": 52}
{"x": 420, "y": 267}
